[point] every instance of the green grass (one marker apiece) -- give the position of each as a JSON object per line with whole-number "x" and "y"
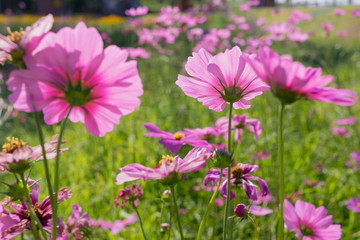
{"x": 91, "y": 164}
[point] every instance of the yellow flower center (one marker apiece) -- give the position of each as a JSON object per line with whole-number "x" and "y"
{"x": 358, "y": 205}
{"x": 12, "y": 144}
{"x": 236, "y": 172}
{"x": 169, "y": 159}
{"x": 37, "y": 211}
{"x": 15, "y": 36}
{"x": 178, "y": 136}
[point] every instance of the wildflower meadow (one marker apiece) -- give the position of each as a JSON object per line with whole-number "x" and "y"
{"x": 224, "y": 120}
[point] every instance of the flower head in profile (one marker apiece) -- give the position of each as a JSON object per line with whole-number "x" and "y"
{"x": 174, "y": 142}
{"x": 354, "y": 204}
{"x": 96, "y": 85}
{"x": 17, "y": 156}
{"x": 18, "y": 43}
{"x": 221, "y": 79}
{"x": 291, "y": 81}
{"x": 169, "y": 169}
{"x": 240, "y": 175}
{"x": 310, "y": 223}
{"x": 18, "y": 221}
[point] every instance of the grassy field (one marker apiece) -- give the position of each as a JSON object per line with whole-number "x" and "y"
{"x": 90, "y": 166}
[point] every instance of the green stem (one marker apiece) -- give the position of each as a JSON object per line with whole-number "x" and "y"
{"x": 257, "y": 237}
{"x": 281, "y": 172}
{"x": 141, "y": 225}
{"x": 172, "y": 188}
{"x": 33, "y": 215}
{"x": 228, "y": 178}
{"x": 45, "y": 161}
{"x": 56, "y": 177}
{"x": 202, "y": 224}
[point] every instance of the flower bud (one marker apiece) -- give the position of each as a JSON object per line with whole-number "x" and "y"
{"x": 240, "y": 210}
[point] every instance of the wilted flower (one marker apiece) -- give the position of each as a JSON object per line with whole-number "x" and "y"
{"x": 309, "y": 222}
{"x": 220, "y": 79}
{"x": 82, "y": 78}
{"x": 169, "y": 169}
{"x": 132, "y": 195}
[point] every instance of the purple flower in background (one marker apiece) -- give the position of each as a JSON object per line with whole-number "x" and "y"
{"x": 327, "y": 27}
{"x": 310, "y": 223}
{"x": 354, "y": 204}
{"x": 341, "y": 131}
{"x": 169, "y": 169}
{"x": 22, "y": 5}
{"x": 173, "y": 142}
{"x": 314, "y": 183}
{"x": 260, "y": 155}
{"x": 355, "y": 163}
{"x": 139, "y": 11}
{"x": 240, "y": 174}
{"x": 18, "y": 221}
{"x": 132, "y": 194}
{"x": 137, "y": 53}
{"x": 239, "y": 123}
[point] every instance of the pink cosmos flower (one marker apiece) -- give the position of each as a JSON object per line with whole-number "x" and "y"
{"x": 18, "y": 221}
{"x": 137, "y": 53}
{"x": 278, "y": 30}
{"x": 118, "y": 225}
{"x": 314, "y": 183}
{"x": 259, "y": 211}
{"x": 342, "y": 32}
{"x": 327, "y": 27}
{"x": 25, "y": 41}
{"x": 219, "y": 202}
{"x": 17, "y": 156}
{"x": 355, "y": 162}
{"x": 220, "y": 79}
{"x": 354, "y": 204}
{"x": 260, "y": 21}
{"x": 356, "y": 13}
{"x": 99, "y": 84}
{"x": 339, "y": 12}
{"x": 196, "y": 33}
{"x": 297, "y": 36}
{"x": 245, "y": 7}
{"x": 260, "y": 155}
{"x": 341, "y": 131}
{"x": 169, "y": 169}
{"x": 310, "y": 223}
{"x": 173, "y": 142}
{"x": 290, "y": 81}
{"x": 347, "y": 121}
{"x": 239, "y": 123}
{"x": 240, "y": 174}
{"x": 139, "y": 11}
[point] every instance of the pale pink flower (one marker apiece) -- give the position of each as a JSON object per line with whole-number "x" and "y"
{"x": 118, "y": 225}
{"x": 297, "y": 36}
{"x": 310, "y": 223}
{"x": 339, "y": 12}
{"x": 139, "y": 11}
{"x": 100, "y": 85}
{"x": 24, "y": 41}
{"x": 327, "y": 27}
{"x": 220, "y": 79}
{"x": 137, "y": 53}
{"x": 347, "y": 121}
{"x": 245, "y": 7}
{"x": 259, "y": 211}
{"x": 291, "y": 81}
{"x": 356, "y": 13}
{"x": 342, "y": 32}
{"x": 169, "y": 169}
{"x": 260, "y": 21}
{"x": 278, "y": 30}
